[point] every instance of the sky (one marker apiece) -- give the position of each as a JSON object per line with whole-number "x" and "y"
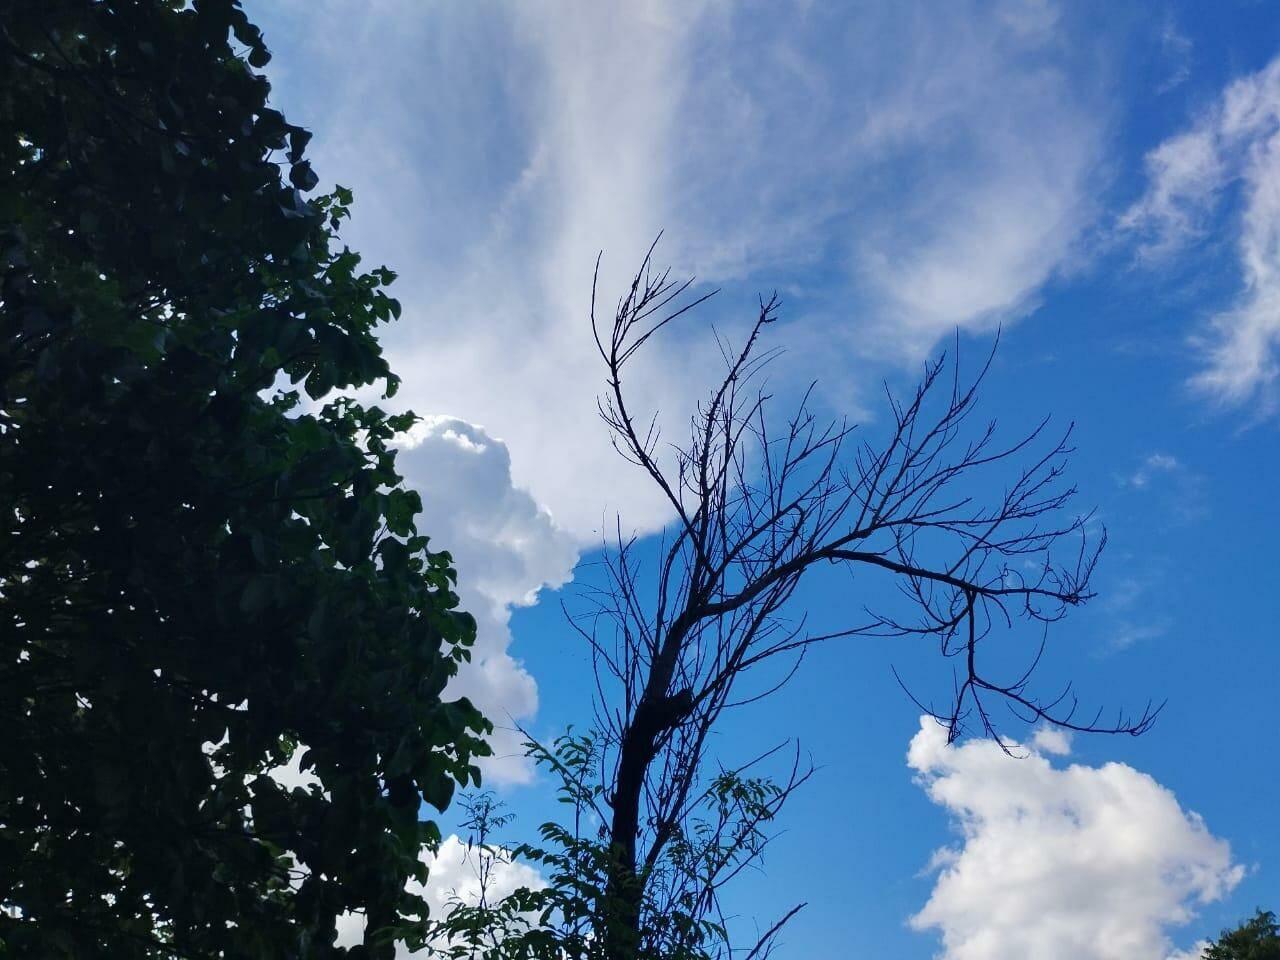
{"x": 1099, "y": 182}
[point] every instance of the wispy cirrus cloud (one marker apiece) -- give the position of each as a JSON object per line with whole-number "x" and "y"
{"x": 1231, "y": 151}
{"x": 936, "y": 164}
{"x": 1183, "y": 490}
{"x": 1177, "y": 49}
{"x": 1152, "y": 465}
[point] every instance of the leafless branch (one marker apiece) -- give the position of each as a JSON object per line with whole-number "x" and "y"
{"x": 977, "y": 532}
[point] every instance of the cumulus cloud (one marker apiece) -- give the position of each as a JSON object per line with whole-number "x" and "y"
{"x": 1234, "y": 148}
{"x": 1051, "y": 740}
{"x": 1060, "y": 863}
{"x": 454, "y": 876}
{"x": 506, "y": 548}
{"x": 936, "y": 162}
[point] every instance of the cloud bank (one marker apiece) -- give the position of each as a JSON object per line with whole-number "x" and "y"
{"x": 1060, "y": 863}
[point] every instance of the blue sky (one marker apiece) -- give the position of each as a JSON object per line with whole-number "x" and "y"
{"x": 1100, "y": 181}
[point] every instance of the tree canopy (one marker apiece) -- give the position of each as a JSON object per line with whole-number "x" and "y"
{"x": 1256, "y": 939}
{"x": 199, "y": 571}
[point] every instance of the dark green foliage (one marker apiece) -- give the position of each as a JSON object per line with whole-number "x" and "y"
{"x": 1255, "y": 939}
{"x": 186, "y": 558}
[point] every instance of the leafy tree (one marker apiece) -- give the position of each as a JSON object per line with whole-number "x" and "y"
{"x": 1255, "y": 939}
{"x": 197, "y": 576}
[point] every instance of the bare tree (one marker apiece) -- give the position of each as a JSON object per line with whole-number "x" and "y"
{"x": 979, "y": 535}
{"x": 758, "y": 503}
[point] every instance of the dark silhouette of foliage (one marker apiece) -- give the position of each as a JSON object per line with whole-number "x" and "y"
{"x": 1256, "y": 939}
{"x": 196, "y": 575}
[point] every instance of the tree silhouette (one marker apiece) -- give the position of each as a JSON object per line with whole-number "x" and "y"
{"x": 1256, "y": 939}
{"x": 198, "y": 578}
{"x": 977, "y": 532}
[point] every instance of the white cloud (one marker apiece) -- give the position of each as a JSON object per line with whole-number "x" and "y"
{"x": 940, "y": 158}
{"x": 1153, "y": 464}
{"x": 1051, "y": 740}
{"x": 1060, "y": 863}
{"x": 1000, "y": 148}
{"x": 454, "y": 876}
{"x": 505, "y": 547}
{"x": 1176, "y": 47}
{"x": 1234, "y": 147}
{"x": 1185, "y": 490}
{"x": 1185, "y": 173}
{"x": 1128, "y": 633}
{"x": 290, "y": 775}
{"x": 491, "y": 191}
{"x": 1132, "y": 616}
